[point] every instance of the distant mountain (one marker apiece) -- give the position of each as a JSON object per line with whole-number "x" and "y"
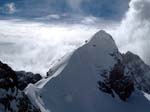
{"x": 12, "y": 96}
{"x": 96, "y": 77}
{"x": 138, "y": 70}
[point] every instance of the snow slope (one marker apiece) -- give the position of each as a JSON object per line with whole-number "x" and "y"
{"x": 75, "y": 87}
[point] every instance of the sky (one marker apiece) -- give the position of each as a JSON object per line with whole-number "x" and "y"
{"x": 36, "y": 33}
{"x": 106, "y": 9}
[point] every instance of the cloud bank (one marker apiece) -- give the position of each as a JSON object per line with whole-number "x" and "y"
{"x": 38, "y": 45}
{"x": 134, "y": 32}
{"x": 34, "y": 46}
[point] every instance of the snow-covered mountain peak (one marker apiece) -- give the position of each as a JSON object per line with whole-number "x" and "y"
{"x": 103, "y": 38}
{"x": 101, "y": 52}
{"x": 93, "y": 79}
{"x": 138, "y": 70}
{"x": 102, "y": 34}
{"x": 76, "y": 89}
{"x": 131, "y": 57}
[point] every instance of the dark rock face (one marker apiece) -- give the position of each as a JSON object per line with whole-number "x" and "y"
{"x": 24, "y": 78}
{"x": 130, "y": 72}
{"x": 121, "y": 84}
{"x": 117, "y": 82}
{"x": 138, "y": 70}
{"x": 12, "y": 98}
{"x": 7, "y": 72}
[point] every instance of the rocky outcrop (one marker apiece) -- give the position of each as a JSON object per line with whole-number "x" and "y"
{"x": 130, "y": 72}
{"x": 12, "y": 99}
{"x": 24, "y": 78}
{"x": 118, "y": 82}
{"x": 138, "y": 70}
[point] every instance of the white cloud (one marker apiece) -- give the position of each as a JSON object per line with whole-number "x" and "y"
{"x": 89, "y": 20}
{"x": 54, "y": 16}
{"x": 34, "y": 46}
{"x": 134, "y": 32}
{"x": 9, "y": 8}
{"x": 50, "y": 16}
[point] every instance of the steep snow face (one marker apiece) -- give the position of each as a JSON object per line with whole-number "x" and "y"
{"x": 98, "y": 52}
{"x": 75, "y": 88}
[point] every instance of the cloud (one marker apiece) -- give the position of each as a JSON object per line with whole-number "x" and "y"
{"x": 8, "y": 8}
{"x": 134, "y": 32}
{"x": 29, "y": 46}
